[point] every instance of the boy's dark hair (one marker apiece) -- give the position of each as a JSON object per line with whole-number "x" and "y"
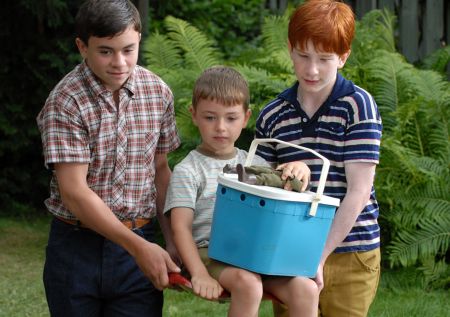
{"x": 106, "y": 18}
{"x": 222, "y": 84}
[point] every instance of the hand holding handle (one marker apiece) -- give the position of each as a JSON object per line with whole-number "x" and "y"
{"x": 323, "y": 173}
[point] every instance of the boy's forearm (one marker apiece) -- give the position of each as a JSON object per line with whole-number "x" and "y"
{"x": 360, "y": 181}
{"x": 164, "y": 224}
{"x": 343, "y": 223}
{"x": 162, "y": 179}
{"x": 188, "y": 251}
{"x": 95, "y": 214}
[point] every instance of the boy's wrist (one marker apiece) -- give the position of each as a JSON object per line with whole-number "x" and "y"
{"x": 199, "y": 273}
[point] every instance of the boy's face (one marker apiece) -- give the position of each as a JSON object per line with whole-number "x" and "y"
{"x": 315, "y": 70}
{"x": 112, "y": 59}
{"x": 219, "y": 125}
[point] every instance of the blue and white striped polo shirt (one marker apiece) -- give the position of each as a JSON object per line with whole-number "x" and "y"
{"x": 346, "y": 128}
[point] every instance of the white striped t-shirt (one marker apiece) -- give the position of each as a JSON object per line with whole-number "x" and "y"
{"x": 193, "y": 185}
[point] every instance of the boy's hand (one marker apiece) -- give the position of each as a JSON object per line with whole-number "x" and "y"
{"x": 295, "y": 169}
{"x": 206, "y": 287}
{"x": 319, "y": 277}
{"x": 155, "y": 263}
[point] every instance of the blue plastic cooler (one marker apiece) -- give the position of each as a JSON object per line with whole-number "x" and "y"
{"x": 270, "y": 230}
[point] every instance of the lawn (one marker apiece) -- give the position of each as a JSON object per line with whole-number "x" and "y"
{"x": 22, "y": 245}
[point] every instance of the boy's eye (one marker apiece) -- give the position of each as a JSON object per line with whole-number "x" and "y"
{"x": 326, "y": 57}
{"x": 232, "y": 118}
{"x": 105, "y": 52}
{"x": 210, "y": 118}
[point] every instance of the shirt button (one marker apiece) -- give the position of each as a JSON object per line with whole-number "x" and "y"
{"x": 305, "y": 120}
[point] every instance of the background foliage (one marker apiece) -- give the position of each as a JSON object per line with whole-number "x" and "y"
{"x": 37, "y": 50}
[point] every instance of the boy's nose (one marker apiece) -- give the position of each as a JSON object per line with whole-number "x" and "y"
{"x": 220, "y": 125}
{"x": 312, "y": 68}
{"x": 118, "y": 60}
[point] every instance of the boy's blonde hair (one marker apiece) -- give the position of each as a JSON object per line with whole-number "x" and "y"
{"x": 222, "y": 84}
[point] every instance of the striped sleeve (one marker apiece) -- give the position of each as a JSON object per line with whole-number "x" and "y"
{"x": 182, "y": 190}
{"x": 363, "y": 135}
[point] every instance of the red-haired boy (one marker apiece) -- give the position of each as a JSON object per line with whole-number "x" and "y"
{"x": 330, "y": 114}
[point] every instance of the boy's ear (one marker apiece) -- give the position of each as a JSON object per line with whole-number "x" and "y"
{"x": 343, "y": 58}
{"x": 192, "y": 111}
{"x": 289, "y": 45}
{"x": 248, "y": 114}
{"x": 82, "y": 47}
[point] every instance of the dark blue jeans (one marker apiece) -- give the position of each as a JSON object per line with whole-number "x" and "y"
{"x": 88, "y": 275}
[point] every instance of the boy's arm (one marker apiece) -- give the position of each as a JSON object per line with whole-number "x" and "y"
{"x": 202, "y": 283}
{"x": 90, "y": 209}
{"x": 360, "y": 178}
{"x": 162, "y": 178}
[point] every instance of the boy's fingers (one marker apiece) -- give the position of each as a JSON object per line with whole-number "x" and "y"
{"x": 304, "y": 186}
{"x": 287, "y": 172}
{"x": 305, "y": 180}
{"x": 171, "y": 266}
{"x": 288, "y": 186}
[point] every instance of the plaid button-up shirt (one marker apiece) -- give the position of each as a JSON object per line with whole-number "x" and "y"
{"x": 81, "y": 123}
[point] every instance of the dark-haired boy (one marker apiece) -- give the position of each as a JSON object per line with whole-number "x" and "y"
{"x": 106, "y": 130}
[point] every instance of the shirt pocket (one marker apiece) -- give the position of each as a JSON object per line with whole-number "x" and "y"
{"x": 334, "y": 130}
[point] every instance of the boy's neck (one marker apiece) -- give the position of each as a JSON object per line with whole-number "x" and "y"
{"x": 311, "y": 102}
{"x": 116, "y": 98}
{"x": 219, "y": 156}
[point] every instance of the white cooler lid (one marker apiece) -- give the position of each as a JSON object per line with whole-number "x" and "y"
{"x": 231, "y": 180}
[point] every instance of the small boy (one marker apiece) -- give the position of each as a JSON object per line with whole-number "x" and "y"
{"x": 327, "y": 113}
{"x": 220, "y": 111}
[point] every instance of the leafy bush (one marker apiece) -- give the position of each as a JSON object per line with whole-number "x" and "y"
{"x": 38, "y": 49}
{"x": 234, "y": 25}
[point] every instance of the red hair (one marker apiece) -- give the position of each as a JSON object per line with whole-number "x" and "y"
{"x": 329, "y": 24}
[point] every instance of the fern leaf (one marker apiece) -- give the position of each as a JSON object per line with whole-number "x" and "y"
{"x": 410, "y": 246}
{"x": 428, "y": 84}
{"x": 383, "y": 74}
{"x": 438, "y": 60}
{"x": 397, "y": 162}
{"x": 274, "y": 33}
{"x": 198, "y": 49}
{"x": 436, "y": 274}
{"x": 420, "y": 205}
{"x": 262, "y": 78}
{"x": 160, "y": 53}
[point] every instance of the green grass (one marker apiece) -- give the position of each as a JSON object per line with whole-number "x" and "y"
{"x": 22, "y": 252}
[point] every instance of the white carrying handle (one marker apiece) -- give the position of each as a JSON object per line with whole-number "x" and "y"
{"x": 323, "y": 173}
